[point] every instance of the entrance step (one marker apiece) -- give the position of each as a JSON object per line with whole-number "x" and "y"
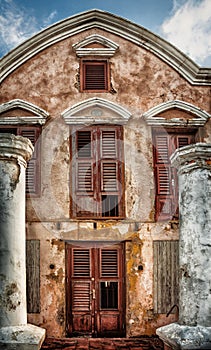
{"x": 142, "y": 343}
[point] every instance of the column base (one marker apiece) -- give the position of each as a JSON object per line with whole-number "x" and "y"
{"x": 25, "y": 337}
{"x": 178, "y": 337}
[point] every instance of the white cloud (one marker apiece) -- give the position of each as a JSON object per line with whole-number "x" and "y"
{"x": 189, "y": 29}
{"x": 50, "y": 18}
{"x": 17, "y": 25}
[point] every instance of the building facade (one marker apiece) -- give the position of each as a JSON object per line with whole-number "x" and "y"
{"x": 105, "y": 103}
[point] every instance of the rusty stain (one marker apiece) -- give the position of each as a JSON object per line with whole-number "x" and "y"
{"x": 58, "y": 243}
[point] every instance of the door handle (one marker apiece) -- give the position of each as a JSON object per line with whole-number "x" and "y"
{"x": 93, "y": 294}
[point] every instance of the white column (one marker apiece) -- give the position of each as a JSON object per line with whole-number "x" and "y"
{"x": 15, "y": 151}
{"x": 194, "y": 172}
{"x": 193, "y": 330}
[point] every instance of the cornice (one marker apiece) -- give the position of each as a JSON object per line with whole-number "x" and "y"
{"x": 113, "y": 24}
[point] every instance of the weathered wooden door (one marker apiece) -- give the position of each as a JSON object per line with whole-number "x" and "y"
{"x": 95, "y": 290}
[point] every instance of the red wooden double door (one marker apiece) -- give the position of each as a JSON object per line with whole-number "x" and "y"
{"x": 95, "y": 290}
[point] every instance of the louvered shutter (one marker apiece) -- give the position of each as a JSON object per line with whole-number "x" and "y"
{"x": 84, "y": 163}
{"x": 98, "y": 172}
{"x": 81, "y": 262}
{"x": 95, "y": 76}
{"x": 33, "y": 166}
{"x": 165, "y": 175}
{"x": 111, "y": 172}
{"x": 109, "y": 263}
{"x": 81, "y": 289}
{"x": 81, "y": 295}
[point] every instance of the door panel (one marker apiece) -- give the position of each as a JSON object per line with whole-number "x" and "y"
{"x": 95, "y": 291}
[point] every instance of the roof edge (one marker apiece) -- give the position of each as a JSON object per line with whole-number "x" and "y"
{"x": 116, "y": 25}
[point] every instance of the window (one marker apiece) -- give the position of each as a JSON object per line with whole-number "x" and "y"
{"x": 97, "y": 168}
{"x": 94, "y": 76}
{"x": 33, "y": 166}
{"x": 165, "y": 144}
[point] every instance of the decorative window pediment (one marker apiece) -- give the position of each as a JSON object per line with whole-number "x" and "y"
{"x": 96, "y": 111}
{"x": 95, "y": 45}
{"x": 21, "y": 112}
{"x": 176, "y": 113}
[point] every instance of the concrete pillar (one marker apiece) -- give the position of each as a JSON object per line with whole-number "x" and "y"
{"x": 15, "y": 151}
{"x": 193, "y": 330}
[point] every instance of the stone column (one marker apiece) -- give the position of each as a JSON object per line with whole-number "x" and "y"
{"x": 15, "y": 151}
{"x": 193, "y": 330}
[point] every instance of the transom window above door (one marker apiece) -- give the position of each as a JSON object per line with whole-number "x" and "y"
{"x": 97, "y": 172}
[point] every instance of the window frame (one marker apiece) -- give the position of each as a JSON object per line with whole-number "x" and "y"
{"x": 83, "y": 77}
{"x": 97, "y": 161}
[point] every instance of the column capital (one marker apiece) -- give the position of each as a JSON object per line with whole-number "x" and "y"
{"x": 191, "y": 157}
{"x": 15, "y": 147}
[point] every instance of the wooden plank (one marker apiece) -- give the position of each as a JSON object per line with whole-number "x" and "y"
{"x": 155, "y": 276}
{"x": 33, "y": 275}
{"x": 165, "y": 260}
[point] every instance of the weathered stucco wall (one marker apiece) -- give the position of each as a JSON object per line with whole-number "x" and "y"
{"x": 48, "y": 79}
{"x": 141, "y": 81}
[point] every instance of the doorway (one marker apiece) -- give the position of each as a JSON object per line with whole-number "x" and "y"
{"x": 95, "y": 290}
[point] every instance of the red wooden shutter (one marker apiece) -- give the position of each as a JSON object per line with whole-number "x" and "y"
{"x": 111, "y": 172}
{"x": 81, "y": 295}
{"x": 165, "y": 175}
{"x": 81, "y": 290}
{"x": 33, "y": 166}
{"x": 109, "y": 263}
{"x": 95, "y": 76}
{"x": 81, "y": 266}
{"x": 84, "y": 164}
{"x": 81, "y": 262}
{"x": 98, "y": 172}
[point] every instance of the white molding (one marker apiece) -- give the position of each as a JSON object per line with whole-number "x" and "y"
{"x": 152, "y": 115}
{"x": 115, "y": 25}
{"x": 108, "y": 51}
{"x": 78, "y": 115}
{"x": 40, "y": 115}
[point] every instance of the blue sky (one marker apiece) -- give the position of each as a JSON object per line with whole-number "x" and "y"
{"x": 184, "y": 23}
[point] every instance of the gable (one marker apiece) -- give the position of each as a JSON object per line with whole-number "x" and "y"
{"x": 113, "y": 24}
